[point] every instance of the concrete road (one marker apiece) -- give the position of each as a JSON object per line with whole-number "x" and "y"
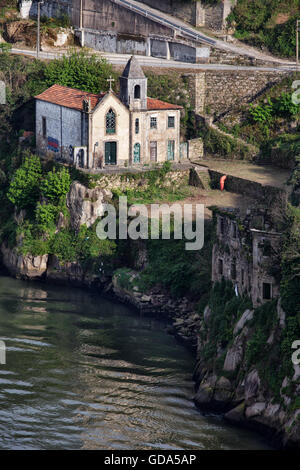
{"x": 121, "y": 59}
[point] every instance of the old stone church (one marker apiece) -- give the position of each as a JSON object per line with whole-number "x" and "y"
{"x": 96, "y": 130}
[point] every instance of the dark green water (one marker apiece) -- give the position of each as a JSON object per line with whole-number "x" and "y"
{"x": 85, "y": 373}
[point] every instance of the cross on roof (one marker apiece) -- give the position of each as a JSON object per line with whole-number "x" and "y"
{"x": 110, "y": 80}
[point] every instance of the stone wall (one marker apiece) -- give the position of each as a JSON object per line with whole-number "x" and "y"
{"x": 197, "y": 91}
{"x": 270, "y": 195}
{"x": 228, "y": 57}
{"x": 219, "y": 92}
{"x": 195, "y": 149}
{"x": 129, "y": 180}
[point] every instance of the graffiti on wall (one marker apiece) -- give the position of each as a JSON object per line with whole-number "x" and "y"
{"x": 53, "y": 144}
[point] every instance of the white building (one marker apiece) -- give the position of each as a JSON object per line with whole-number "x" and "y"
{"x": 93, "y": 130}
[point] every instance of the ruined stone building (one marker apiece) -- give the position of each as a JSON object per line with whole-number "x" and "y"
{"x": 93, "y": 130}
{"x": 246, "y": 255}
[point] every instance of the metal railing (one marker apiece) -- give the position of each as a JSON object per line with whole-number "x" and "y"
{"x": 182, "y": 30}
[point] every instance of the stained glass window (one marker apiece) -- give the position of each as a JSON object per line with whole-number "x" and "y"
{"x": 110, "y": 122}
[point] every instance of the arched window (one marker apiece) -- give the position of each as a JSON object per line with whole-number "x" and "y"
{"x": 110, "y": 122}
{"x": 137, "y": 92}
{"x": 137, "y": 126}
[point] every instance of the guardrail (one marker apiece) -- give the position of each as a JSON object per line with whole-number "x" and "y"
{"x": 182, "y": 30}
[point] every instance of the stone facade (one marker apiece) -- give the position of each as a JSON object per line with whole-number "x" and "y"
{"x": 247, "y": 256}
{"x": 91, "y": 130}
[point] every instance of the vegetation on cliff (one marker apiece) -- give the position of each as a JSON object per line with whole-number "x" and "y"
{"x": 267, "y": 23}
{"x": 33, "y": 206}
{"x": 271, "y": 123}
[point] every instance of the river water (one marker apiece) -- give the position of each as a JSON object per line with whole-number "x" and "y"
{"x": 85, "y": 373}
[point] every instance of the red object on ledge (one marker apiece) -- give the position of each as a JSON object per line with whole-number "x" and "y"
{"x": 222, "y": 182}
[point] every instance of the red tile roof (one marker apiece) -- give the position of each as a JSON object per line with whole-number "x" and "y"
{"x": 153, "y": 103}
{"x": 68, "y": 97}
{"x": 72, "y": 98}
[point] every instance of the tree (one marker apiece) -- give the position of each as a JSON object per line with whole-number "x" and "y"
{"x": 56, "y": 184}
{"x": 23, "y": 191}
{"x": 80, "y": 70}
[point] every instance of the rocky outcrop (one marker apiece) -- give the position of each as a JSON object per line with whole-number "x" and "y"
{"x": 23, "y": 266}
{"x": 72, "y": 273}
{"x": 86, "y": 205}
{"x": 228, "y": 383}
{"x": 157, "y": 302}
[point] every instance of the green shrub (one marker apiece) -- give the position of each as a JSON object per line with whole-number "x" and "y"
{"x": 83, "y": 246}
{"x": 223, "y": 146}
{"x": 256, "y": 24}
{"x": 262, "y": 113}
{"x": 45, "y": 215}
{"x": 56, "y": 184}
{"x": 80, "y": 70}
{"x": 24, "y": 187}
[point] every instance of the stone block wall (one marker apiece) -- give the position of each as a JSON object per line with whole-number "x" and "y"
{"x": 133, "y": 181}
{"x": 197, "y": 90}
{"x": 219, "y": 92}
{"x": 270, "y": 195}
{"x": 195, "y": 149}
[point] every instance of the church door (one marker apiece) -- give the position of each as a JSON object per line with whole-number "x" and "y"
{"x": 136, "y": 153}
{"x": 171, "y": 149}
{"x": 110, "y": 153}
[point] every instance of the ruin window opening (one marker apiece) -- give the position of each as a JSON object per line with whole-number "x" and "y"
{"x": 267, "y": 291}
{"x": 222, "y": 226}
{"x": 234, "y": 230}
{"x": 221, "y": 267}
{"x": 233, "y": 269}
{"x": 267, "y": 248}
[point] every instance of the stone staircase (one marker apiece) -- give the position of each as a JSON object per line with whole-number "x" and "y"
{"x": 253, "y": 149}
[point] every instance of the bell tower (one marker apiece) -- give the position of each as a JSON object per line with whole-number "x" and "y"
{"x": 133, "y": 86}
